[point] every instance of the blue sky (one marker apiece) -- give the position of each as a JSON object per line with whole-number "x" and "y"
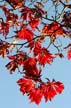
{"x": 11, "y": 97}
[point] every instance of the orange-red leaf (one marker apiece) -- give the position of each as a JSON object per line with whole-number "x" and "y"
{"x": 53, "y": 29}
{"x": 35, "y": 95}
{"x": 25, "y": 34}
{"x": 25, "y": 85}
{"x": 69, "y": 54}
{"x": 51, "y": 89}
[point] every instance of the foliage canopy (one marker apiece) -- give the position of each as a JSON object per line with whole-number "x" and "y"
{"x": 28, "y": 31}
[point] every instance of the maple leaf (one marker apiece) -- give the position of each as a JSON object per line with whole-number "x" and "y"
{"x": 5, "y": 9}
{"x": 53, "y": 29}
{"x": 16, "y": 61}
{"x": 4, "y": 28}
{"x": 45, "y": 57}
{"x": 31, "y": 45}
{"x": 69, "y": 54}
{"x": 4, "y": 48}
{"x": 49, "y": 93}
{"x": 35, "y": 95}
{"x": 34, "y": 23}
{"x": 11, "y": 19}
{"x": 33, "y": 71}
{"x": 15, "y": 3}
{"x": 26, "y": 13}
{"x": 34, "y": 46}
{"x": 12, "y": 66}
{"x": 50, "y": 89}
{"x": 30, "y": 62}
{"x": 25, "y": 34}
{"x": 25, "y": 84}
{"x": 37, "y": 48}
{"x": 11, "y": 57}
{"x": 58, "y": 86}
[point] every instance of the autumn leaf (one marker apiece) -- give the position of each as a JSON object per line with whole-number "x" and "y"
{"x": 53, "y": 29}
{"x": 34, "y": 23}
{"x": 16, "y": 61}
{"x": 26, "y": 13}
{"x": 4, "y": 48}
{"x": 50, "y": 89}
{"x": 45, "y": 57}
{"x": 15, "y": 4}
{"x": 37, "y": 48}
{"x": 33, "y": 71}
{"x": 35, "y": 95}
{"x": 69, "y": 54}
{"x": 25, "y": 84}
{"x": 25, "y": 34}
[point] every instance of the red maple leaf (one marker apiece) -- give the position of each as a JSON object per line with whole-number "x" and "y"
{"x": 34, "y": 23}
{"x": 27, "y": 13}
{"x": 30, "y": 62}
{"x": 35, "y": 95}
{"x": 4, "y": 28}
{"x": 37, "y": 48}
{"x": 30, "y": 67}
{"x": 50, "y": 89}
{"x": 45, "y": 57}
{"x": 31, "y": 45}
{"x": 69, "y": 54}
{"x": 53, "y": 29}
{"x": 25, "y": 34}
{"x": 49, "y": 93}
{"x": 25, "y": 85}
{"x": 11, "y": 57}
{"x": 58, "y": 86}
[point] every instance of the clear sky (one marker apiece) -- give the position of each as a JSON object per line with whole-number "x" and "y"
{"x": 11, "y": 97}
